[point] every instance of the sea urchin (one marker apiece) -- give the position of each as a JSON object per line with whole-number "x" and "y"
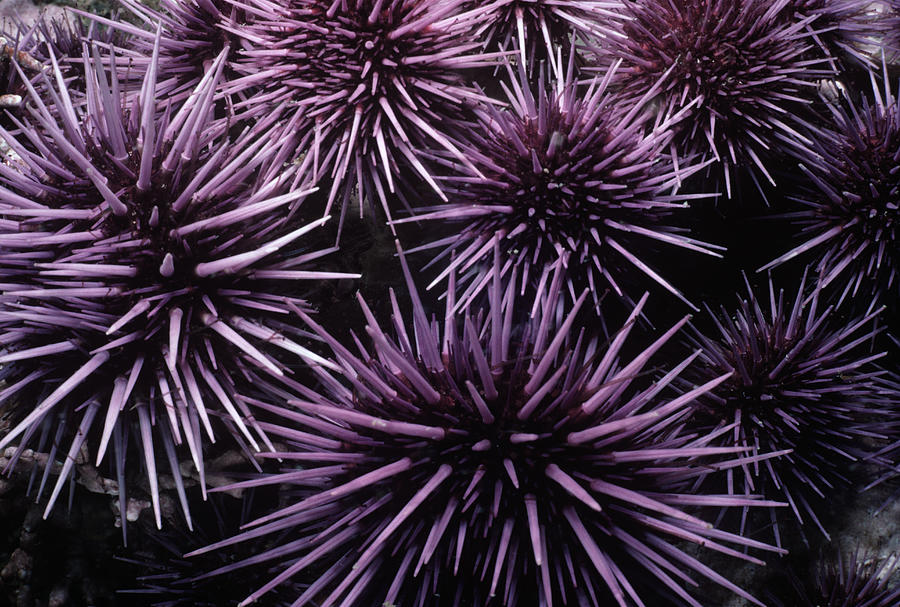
{"x": 448, "y": 465}
{"x": 143, "y": 274}
{"x": 850, "y": 213}
{"x": 364, "y": 86}
{"x": 803, "y": 385}
{"x": 572, "y": 169}
{"x": 743, "y": 61}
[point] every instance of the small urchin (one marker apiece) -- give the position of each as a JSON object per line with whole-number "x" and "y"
{"x": 364, "y": 87}
{"x": 567, "y": 168}
{"x": 804, "y": 385}
{"x": 849, "y": 211}
{"x": 862, "y": 580}
{"x": 476, "y": 461}
{"x": 743, "y": 62}
{"x": 146, "y": 270}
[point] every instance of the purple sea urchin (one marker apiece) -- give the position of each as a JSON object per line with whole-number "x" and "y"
{"x": 144, "y": 271}
{"x": 363, "y": 85}
{"x": 478, "y": 462}
{"x": 803, "y": 385}
{"x": 850, "y": 213}
{"x": 193, "y": 34}
{"x": 744, "y": 61}
{"x": 841, "y": 28}
{"x": 861, "y": 581}
{"x": 567, "y": 169}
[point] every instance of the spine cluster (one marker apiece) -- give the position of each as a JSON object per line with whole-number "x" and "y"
{"x": 527, "y": 197}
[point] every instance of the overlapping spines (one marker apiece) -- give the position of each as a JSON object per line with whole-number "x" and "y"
{"x": 451, "y": 462}
{"x": 804, "y": 384}
{"x": 192, "y": 34}
{"x": 567, "y": 169}
{"x": 192, "y": 305}
{"x": 843, "y": 30}
{"x": 147, "y": 270}
{"x": 537, "y": 28}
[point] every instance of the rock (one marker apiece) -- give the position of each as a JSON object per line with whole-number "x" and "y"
{"x": 27, "y": 11}
{"x": 18, "y": 568}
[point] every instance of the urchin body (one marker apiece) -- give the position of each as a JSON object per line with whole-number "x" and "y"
{"x": 803, "y": 385}
{"x": 574, "y": 170}
{"x": 849, "y": 215}
{"x": 471, "y": 465}
{"x": 744, "y": 63}
{"x": 146, "y": 272}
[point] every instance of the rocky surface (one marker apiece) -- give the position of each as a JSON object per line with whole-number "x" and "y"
{"x": 27, "y": 11}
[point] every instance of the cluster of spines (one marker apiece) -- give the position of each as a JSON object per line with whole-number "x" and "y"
{"x": 474, "y": 447}
{"x": 536, "y": 30}
{"x": 803, "y": 384}
{"x": 860, "y": 580}
{"x": 145, "y": 273}
{"x": 365, "y": 149}
{"x": 843, "y": 30}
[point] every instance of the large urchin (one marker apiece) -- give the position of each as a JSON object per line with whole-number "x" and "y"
{"x": 849, "y": 212}
{"x": 744, "y": 62}
{"x": 146, "y": 271}
{"x": 567, "y": 169}
{"x": 804, "y": 384}
{"x": 364, "y": 88}
{"x": 473, "y": 461}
